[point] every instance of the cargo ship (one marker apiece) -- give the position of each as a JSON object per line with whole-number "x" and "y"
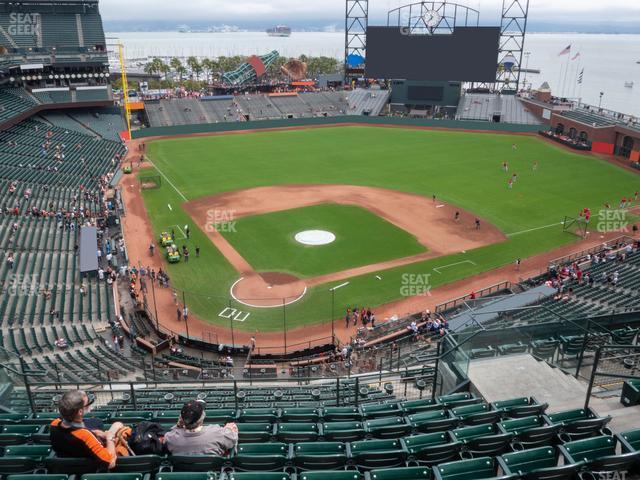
{"x": 279, "y": 31}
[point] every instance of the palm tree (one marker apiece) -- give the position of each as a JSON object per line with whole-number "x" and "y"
{"x": 177, "y": 66}
{"x": 195, "y": 66}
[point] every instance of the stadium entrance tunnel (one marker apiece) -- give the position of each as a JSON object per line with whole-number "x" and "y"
{"x": 268, "y": 290}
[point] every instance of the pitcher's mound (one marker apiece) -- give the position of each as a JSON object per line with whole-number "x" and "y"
{"x": 268, "y": 290}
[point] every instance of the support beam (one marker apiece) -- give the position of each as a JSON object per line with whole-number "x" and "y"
{"x": 513, "y": 28}
{"x": 356, "y": 22}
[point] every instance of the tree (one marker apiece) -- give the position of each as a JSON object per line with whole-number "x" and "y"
{"x": 178, "y": 67}
{"x": 195, "y": 66}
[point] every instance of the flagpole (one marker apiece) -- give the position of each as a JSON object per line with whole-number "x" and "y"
{"x": 564, "y": 82}
{"x": 560, "y": 81}
{"x": 575, "y": 83}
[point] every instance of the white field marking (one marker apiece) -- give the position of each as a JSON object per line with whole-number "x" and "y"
{"x": 437, "y": 270}
{"x": 280, "y": 305}
{"x": 439, "y": 206}
{"x": 534, "y": 229}
{"x": 169, "y": 205}
{"x": 168, "y": 181}
{"x": 178, "y": 227}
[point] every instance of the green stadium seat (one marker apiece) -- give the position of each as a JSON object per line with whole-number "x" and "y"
{"x": 254, "y": 432}
{"x": 520, "y": 407}
{"x": 138, "y": 464}
{"x": 10, "y": 465}
{"x": 432, "y": 448}
{"x": 407, "y": 473}
{"x": 388, "y": 427}
{"x": 631, "y": 440}
{"x": 332, "y": 475}
{"x": 630, "y": 393}
{"x": 482, "y": 440}
{"x": 258, "y": 415}
{"x": 32, "y": 451}
{"x": 416, "y": 406}
{"x": 433, "y": 421}
{"x": 343, "y": 431}
{"x": 319, "y": 455}
{"x": 530, "y": 432}
{"x": 70, "y": 466}
{"x": 297, "y": 432}
{"x": 9, "y": 418}
{"x": 258, "y": 476}
{"x": 371, "y": 454}
{"x": 458, "y": 399}
{"x": 380, "y": 410}
{"x": 341, "y": 414}
{"x": 131, "y": 416}
{"x": 42, "y": 418}
{"x": 186, "y": 476}
{"x": 113, "y": 476}
{"x": 539, "y": 464}
{"x": 482, "y": 468}
{"x": 476, "y": 414}
{"x": 599, "y": 454}
{"x": 196, "y": 463}
{"x": 300, "y": 415}
{"x": 577, "y": 424}
{"x": 261, "y": 456}
{"x": 58, "y": 476}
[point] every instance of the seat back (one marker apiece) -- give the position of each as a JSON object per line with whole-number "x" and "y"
{"x": 343, "y": 431}
{"x": 589, "y": 449}
{"x": 138, "y": 464}
{"x": 529, "y": 460}
{"x": 196, "y": 463}
{"x": 70, "y": 465}
{"x": 476, "y": 468}
{"x": 408, "y": 473}
{"x": 378, "y": 453}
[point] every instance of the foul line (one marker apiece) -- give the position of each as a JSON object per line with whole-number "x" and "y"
{"x": 437, "y": 270}
{"x": 169, "y": 181}
{"x": 534, "y": 229}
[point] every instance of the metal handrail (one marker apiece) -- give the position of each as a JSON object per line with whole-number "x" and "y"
{"x": 596, "y": 362}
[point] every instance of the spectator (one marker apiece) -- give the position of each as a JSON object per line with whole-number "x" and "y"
{"x": 191, "y": 437}
{"x": 70, "y": 437}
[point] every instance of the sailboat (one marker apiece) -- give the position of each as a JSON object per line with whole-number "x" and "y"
{"x": 628, "y": 84}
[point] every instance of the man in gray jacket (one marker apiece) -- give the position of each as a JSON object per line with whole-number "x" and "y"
{"x": 192, "y": 437}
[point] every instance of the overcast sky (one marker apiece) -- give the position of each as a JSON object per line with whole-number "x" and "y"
{"x": 283, "y": 11}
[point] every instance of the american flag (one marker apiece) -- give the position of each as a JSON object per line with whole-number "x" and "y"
{"x": 566, "y": 51}
{"x": 580, "y": 77}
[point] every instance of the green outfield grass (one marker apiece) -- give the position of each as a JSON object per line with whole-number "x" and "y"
{"x": 460, "y": 168}
{"x": 267, "y": 241}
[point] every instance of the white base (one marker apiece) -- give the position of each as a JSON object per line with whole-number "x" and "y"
{"x": 315, "y": 237}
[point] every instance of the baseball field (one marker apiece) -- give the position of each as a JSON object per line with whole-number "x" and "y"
{"x": 389, "y": 196}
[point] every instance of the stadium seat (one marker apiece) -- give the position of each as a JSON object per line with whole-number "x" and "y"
{"x": 319, "y": 455}
{"x": 630, "y": 393}
{"x": 458, "y": 399}
{"x": 332, "y": 475}
{"x": 196, "y": 463}
{"x": 388, "y": 427}
{"x": 70, "y": 466}
{"x": 538, "y": 464}
{"x": 9, "y": 465}
{"x": 520, "y": 407}
{"x": 407, "y": 473}
{"x": 343, "y": 431}
{"x": 530, "y": 432}
{"x": 260, "y": 456}
{"x": 341, "y": 414}
{"x": 186, "y": 476}
{"x": 432, "y": 448}
{"x": 257, "y": 476}
{"x": 482, "y": 440}
{"x": 300, "y": 415}
{"x": 12, "y": 418}
{"x": 37, "y": 452}
{"x": 599, "y": 454}
{"x": 114, "y": 476}
{"x": 433, "y": 421}
{"x": 631, "y": 440}
{"x": 59, "y": 476}
{"x": 483, "y": 468}
{"x": 297, "y": 432}
{"x": 577, "y": 424}
{"x": 476, "y": 414}
{"x": 258, "y": 415}
{"x": 370, "y": 454}
{"x": 138, "y": 464}
{"x": 254, "y": 432}
{"x": 380, "y": 410}
{"x": 416, "y": 406}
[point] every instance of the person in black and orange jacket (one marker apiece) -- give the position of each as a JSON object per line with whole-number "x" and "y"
{"x": 70, "y": 437}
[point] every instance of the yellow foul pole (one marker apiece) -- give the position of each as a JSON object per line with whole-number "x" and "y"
{"x": 125, "y": 88}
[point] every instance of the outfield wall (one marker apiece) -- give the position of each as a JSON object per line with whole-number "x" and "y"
{"x": 303, "y": 122}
